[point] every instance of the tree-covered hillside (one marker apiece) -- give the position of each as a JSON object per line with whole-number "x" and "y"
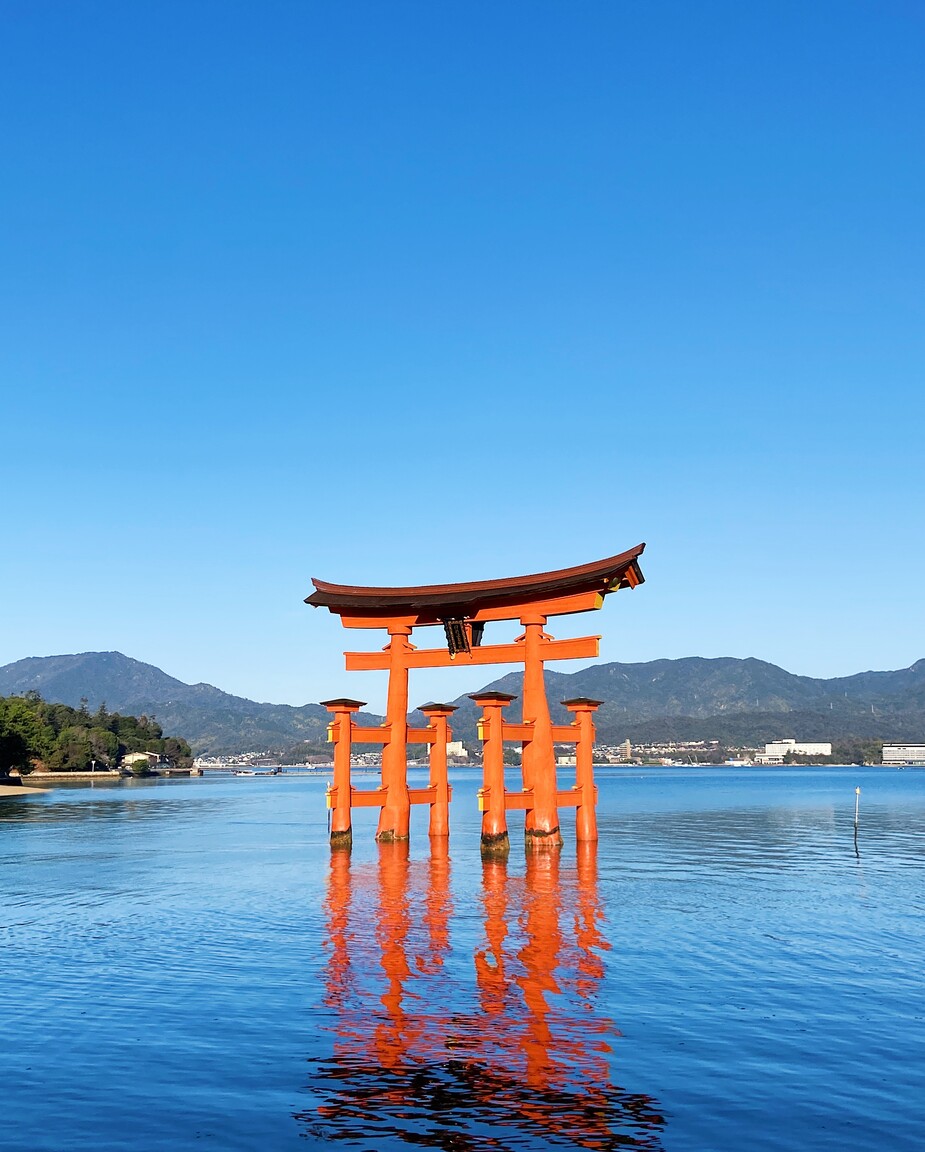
{"x": 34, "y": 732}
{"x": 213, "y": 721}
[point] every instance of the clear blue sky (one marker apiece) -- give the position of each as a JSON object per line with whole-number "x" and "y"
{"x": 411, "y": 292}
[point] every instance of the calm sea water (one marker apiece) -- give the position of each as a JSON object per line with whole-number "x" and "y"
{"x": 186, "y": 966}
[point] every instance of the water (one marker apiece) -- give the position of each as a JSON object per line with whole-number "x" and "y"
{"x": 186, "y": 966}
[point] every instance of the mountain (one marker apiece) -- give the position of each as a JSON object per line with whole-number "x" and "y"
{"x": 211, "y": 720}
{"x": 739, "y": 701}
{"x": 734, "y": 701}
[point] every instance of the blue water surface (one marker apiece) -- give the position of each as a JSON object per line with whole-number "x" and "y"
{"x": 186, "y": 965}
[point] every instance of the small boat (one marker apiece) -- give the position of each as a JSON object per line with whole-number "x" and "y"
{"x": 256, "y": 772}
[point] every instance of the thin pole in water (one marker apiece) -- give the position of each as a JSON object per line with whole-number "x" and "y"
{"x": 857, "y": 804}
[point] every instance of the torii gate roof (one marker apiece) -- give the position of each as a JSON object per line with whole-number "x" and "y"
{"x": 486, "y": 598}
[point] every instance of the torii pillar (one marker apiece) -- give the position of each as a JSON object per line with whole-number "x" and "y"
{"x": 395, "y": 814}
{"x": 583, "y": 709}
{"x": 439, "y": 715}
{"x": 492, "y": 797}
{"x": 339, "y": 794}
{"x": 541, "y": 827}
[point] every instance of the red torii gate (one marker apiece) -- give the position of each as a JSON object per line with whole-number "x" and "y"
{"x": 464, "y": 610}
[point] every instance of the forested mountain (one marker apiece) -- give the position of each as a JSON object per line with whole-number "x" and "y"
{"x": 211, "y": 720}
{"x": 736, "y": 701}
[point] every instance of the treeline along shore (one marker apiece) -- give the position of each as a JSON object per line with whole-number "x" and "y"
{"x": 36, "y": 735}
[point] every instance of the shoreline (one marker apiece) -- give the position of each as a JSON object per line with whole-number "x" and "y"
{"x": 19, "y": 790}
{"x": 65, "y": 777}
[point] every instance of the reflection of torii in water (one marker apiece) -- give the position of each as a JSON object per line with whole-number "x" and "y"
{"x": 414, "y": 1063}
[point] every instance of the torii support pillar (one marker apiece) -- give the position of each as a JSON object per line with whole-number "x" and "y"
{"x": 395, "y": 815}
{"x": 492, "y": 802}
{"x": 339, "y": 794}
{"x": 438, "y": 716}
{"x": 583, "y": 710}
{"x": 541, "y": 828}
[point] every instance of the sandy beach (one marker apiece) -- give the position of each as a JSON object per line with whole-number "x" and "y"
{"x": 18, "y": 790}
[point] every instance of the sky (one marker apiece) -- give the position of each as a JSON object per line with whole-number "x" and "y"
{"x": 406, "y": 293}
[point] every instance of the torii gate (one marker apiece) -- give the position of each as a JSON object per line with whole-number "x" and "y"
{"x": 464, "y": 610}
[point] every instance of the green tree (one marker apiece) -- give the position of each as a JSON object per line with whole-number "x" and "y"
{"x": 22, "y": 735}
{"x": 104, "y": 746}
{"x": 177, "y": 752}
{"x": 72, "y": 751}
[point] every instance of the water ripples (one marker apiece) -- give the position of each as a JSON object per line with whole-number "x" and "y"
{"x": 727, "y": 971}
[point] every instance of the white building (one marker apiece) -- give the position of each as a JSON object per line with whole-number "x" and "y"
{"x": 457, "y": 748}
{"x": 775, "y": 752}
{"x": 899, "y": 754}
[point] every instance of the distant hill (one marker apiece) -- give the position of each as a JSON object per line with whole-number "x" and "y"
{"x": 735, "y": 701}
{"x": 739, "y": 701}
{"x": 211, "y": 720}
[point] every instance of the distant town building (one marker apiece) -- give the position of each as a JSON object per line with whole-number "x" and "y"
{"x": 456, "y": 748}
{"x": 902, "y": 754}
{"x": 777, "y": 750}
{"x": 627, "y": 750}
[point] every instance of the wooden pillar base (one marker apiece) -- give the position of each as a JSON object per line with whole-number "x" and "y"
{"x": 394, "y": 816}
{"x": 539, "y": 839}
{"x": 497, "y": 844}
{"x": 390, "y": 836}
{"x": 342, "y": 839}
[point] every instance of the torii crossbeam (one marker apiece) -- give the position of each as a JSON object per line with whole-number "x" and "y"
{"x": 464, "y": 610}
